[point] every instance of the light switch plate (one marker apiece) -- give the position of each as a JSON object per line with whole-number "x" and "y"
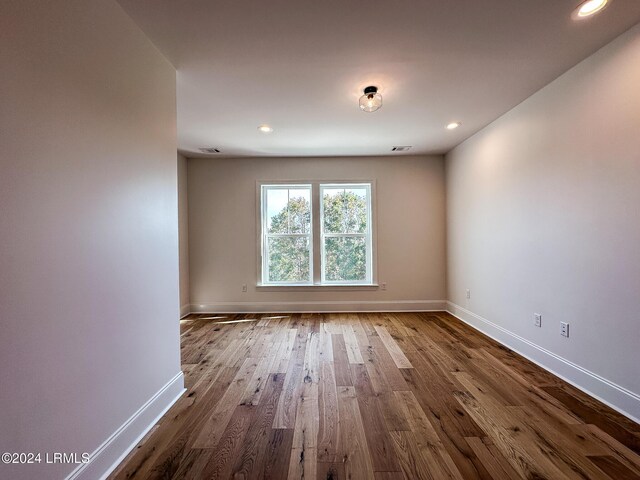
{"x": 537, "y": 319}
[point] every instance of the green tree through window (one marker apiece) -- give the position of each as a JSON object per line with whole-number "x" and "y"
{"x": 344, "y": 233}
{"x": 345, "y": 256}
{"x": 289, "y": 255}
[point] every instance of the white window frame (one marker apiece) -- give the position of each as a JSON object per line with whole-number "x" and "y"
{"x": 316, "y": 249}
{"x": 366, "y": 235}
{"x": 266, "y": 235}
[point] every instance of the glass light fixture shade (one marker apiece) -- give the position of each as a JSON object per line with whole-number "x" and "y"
{"x": 371, "y": 100}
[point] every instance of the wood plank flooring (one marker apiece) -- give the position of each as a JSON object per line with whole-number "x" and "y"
{"x": 374, "y": 396}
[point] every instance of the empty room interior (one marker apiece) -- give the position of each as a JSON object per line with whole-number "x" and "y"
{"x": 320, "y": 240}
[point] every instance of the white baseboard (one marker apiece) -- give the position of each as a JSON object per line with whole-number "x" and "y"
{"x": 321, "y": 307}
{"x": 114, "y": 449}
{"x": 185, "y": 310}
{"x": 619, "y": 398}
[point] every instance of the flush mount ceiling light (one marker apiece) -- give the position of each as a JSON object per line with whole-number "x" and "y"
{"x": 264, "y": 128}
{"x": 590, "y": 7}
{"x": 453, "y": 125}
{"x": 371, "y": 100}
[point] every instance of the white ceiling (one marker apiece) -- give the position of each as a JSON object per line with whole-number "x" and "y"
{"x": 300, "y": 66}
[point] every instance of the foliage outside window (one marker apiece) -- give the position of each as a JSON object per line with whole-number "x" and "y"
{"x": 287, "y": 242}
{"x": 345, "y": 233}
{"x": 343, "y": 252}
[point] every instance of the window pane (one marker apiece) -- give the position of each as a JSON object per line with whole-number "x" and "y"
{"x": 276, "y": 210}
{"x": 289, "y": 259}
{"x": 299, "y": 211}
{"x": 345, "y": 259}
{"x": 356, "y": 210}
{"x": 345, "y": 210}
{"x": 289, "y": 210}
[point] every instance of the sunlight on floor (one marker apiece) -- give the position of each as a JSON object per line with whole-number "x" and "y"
{"x": 240, "y": 321}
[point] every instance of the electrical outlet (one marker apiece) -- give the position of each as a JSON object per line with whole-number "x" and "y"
{"x": 468, "y": 293}
{"x": 383, "y": 286}
{"x": 537, "y": 320}
{"x": 244, "y": 287}
{"x": 564, "y": 329}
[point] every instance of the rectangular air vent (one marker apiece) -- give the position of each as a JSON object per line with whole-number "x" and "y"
{"x": 209, "y": 150}
{"x": 401, "y": 148}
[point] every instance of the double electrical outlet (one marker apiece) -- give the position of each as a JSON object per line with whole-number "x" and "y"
{"x": 564, "y": 326}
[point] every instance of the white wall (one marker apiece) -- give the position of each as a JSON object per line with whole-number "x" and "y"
{"x": 543, "y": 217}
{"x": 183, "y": 227}
{"x": 223, "y": 232}
{"x": 89, "y": 232}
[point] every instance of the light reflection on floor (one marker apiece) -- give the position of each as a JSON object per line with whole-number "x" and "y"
{"x": 243, "y": 320}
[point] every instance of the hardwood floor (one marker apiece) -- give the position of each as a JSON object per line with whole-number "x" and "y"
{"x": 374, "y": 396}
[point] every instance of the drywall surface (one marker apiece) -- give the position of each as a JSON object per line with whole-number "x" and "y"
{"x": 89, "y": 236}
{"x": 542, "y": 217}
{"x": 183, "y": 221}
{"x": 223, "y": 232}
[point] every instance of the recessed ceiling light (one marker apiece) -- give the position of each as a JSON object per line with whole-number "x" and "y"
{"x": 590, "y": 7}
{"x": 371, "y": 100}
{"x": 264, "y": 128}
{"x": 453, "y": 125}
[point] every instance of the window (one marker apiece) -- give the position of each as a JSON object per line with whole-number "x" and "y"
{"x": 316, "y": 234}
{"x": 286, "y": 224}
{"x": 346, "y": 233}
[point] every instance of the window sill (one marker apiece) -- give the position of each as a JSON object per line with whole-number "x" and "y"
{"x": 324, "y": 287}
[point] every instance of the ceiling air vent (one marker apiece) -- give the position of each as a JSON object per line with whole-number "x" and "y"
{"x": 209, "y": 150}
{"x": 401, "y": 148}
